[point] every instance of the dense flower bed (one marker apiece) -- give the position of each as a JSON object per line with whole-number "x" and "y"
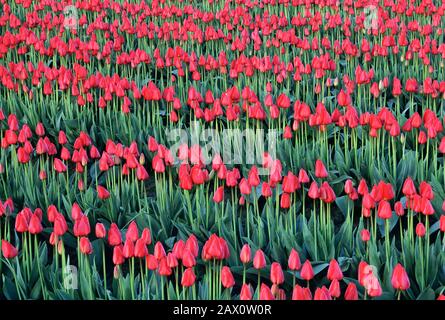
{"x": 222, "y": 149}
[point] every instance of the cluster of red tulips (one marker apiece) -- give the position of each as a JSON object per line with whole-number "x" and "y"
{"x": 343, "y": 197}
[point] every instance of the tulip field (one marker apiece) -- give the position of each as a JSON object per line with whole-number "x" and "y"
{"x": 222, "y": 150}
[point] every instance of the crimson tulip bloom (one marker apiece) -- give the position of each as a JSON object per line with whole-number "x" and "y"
{"x": 320, "y": 170}
{"x": 307, "y": 273}
{"x": 114, "y": 235}
{"x": 259, "y": 261}
{"x": 266, "y": 293}
{"x": 276, "y": 273}
{"x": 188, "y": 278}
{"x": 100, "y": 231}
{"x": 399, "y": 278}
{"x": 8, "y": 250}
{"x": 334, "y": 271}
{"x": 294, "y": 260}
{"x": 102, "y": 193}
{"x": 227, "y": 279}
{"x": 85, "y": 246}
{"x": 351, "y": 292}
{"x": 246, "y": 292}
{"x": 245, "y": 254}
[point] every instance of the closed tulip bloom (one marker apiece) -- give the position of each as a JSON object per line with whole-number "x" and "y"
{"x": 334, "y": 289}
{"x": 372, "y": 285}
{"x": 128, "y": 249}
{"x": 85, "y": 246}
{"x": 114, "y": 235}
{"x": 322, "y": 294}
{"x": 276, "y": 273}
{"x": 76, "y": 212}
{"x": 132, "y": 232}
{"x": 118, "y": 257}
{"x": 399, "y": 279}
{"x": 163, "y": 268}
{"x": 300, "y": 293}
{"x": 285, "y": 200}
{"x": 259, "y": 261}
{"x": 294, "y": 262}
{"x": 398, "y": 208}
{"x": 266, "y": 293}
{"x": 51, "y": 213}
{"x": 140, "y": 249}
{"x": 408, "y": 188}
{"x": 188, "y": 259}
{"x": 334, "y": 271}
{"x": 307, "y": 273}
{"x": 146, "y": 236}
{"x": 351, "y": 292}
{"x": 266, "y": 191}
{"x": 188, "y": 278}
{"x": 227, "y": 279}
{"x": 60, "y": 225}
{"x": 151, "y": 262}
{"x": 245, "y": 187}
{"x": 159, "y": 251}
{"x": 178, "y": 249}
{"x": 35, "y": 225}
{"x": 420, "y": 230}
{"x": 245, "y": 254}
{"x": 59, "y": 166}
{"x": 82, "y": 227}
{"x": 246, "y": 292}
{"x": 384, "y": 210}
{"x": 365, "y": 235}
{"x": 441, "y": 297}
{"x": 219, "y": 195}
{"x": 21, "y": 223}
{"x": 8, "y": 250}
{"x": 442, "y": 223}
{"x": 100, "y": 231}
{"x": 320, "y": 170}
{"x": 102, "y": 193}
{"x": 314, "y": 192}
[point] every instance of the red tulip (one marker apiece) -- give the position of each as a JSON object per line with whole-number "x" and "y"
{"x": 420, "y": 230}
{"x": 245, "y": 254}
{"x": 140, "y": 249}
{"x": 219, "y": 195}
{"x": 384, "y": 210}
{"x": 266, "y": 293}
{"x": 399, "y": 279}
{"x": 365, "y": 235}
{"x": 159, "y": 251}
{"x": 307, "y": 273}
{"x": 246, "y": 292}
{"x": 82, "y": 227}
{"x": 163, "y": 268}
{"x": 132, "y": 231}
{"x": 227, "y": 279}
{"x": 114, "y": 235}
{"x": 259, "y": 261}
{"x": 300, "y": 293}
{"x": 442, "y": 223}
{"x": 188, "y": 278}
{"x": 146, "y": 236}
{"x": 59, "y": 166}
{"x": 100, "y": 231}
{"x": 334, "y": 271}
{"x": 102, "y": 193}
{"x": 276, "y": 273}
{"x": 35, "y": 225}
{"x": 151, "y": 262}
{"x": 351, "y": 292}
{"x": 8, "y": 250}
{"x": 334, "y": 289}
{"x": 85, "y": 246}
{"x": 320, "y": 170}
{"x": 322, "y": 294}
{"x": 118, "y": 257}
{"x": 294, "y": 260}
{"x": 60, "y": 225}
